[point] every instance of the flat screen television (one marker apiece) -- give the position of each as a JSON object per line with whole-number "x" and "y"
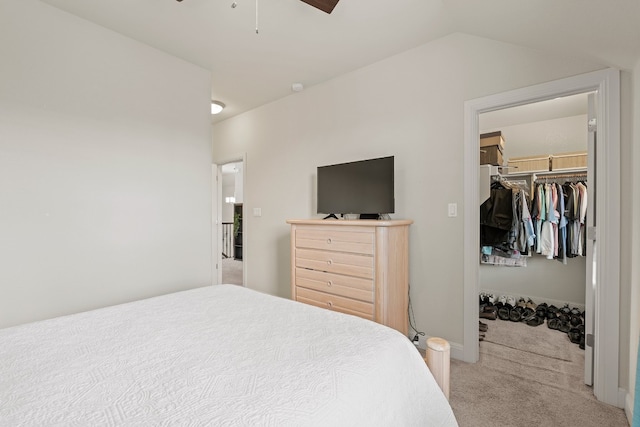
{"x": 364, "y": 187}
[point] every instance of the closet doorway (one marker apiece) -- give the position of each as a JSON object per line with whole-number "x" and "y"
{"x": 545, "y": 150}
{"x": 232, "y": 230}
{"x": 605, "y": 283}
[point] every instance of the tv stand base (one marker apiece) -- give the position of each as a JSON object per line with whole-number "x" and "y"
{"x": 330, "y": 216}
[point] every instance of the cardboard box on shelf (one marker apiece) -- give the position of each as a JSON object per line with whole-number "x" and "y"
{"x": 491, "y": 155}
{"x": 574, "y": 160}
{"x": 539, "y": 163}
{"x": 492, "y": 139}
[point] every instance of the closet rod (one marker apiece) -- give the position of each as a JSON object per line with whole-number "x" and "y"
{"x": 503, "y": 179}
{"x": 561, "y": 176}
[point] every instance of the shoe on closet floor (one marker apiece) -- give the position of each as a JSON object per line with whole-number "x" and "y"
{"x": 564, "y": 327}
{"x": 503, "y": 312}
{"x": 575, "y": 320}
{"x": 482, "y": 327}
{"x": 490, "y": 313}
{"x": 487, "y": 298}
{"x": 535, "y": 321}
{"x": 553, "y": 323}
{"x": 528, "y": 313}
{"x": 502, "y": 300}
{"x": 574, "y": 335}
{"x": 515, "y": 315}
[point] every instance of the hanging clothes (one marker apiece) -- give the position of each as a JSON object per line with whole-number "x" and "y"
{"x": 559, "y": 216}
{"x": 506, "y": 228}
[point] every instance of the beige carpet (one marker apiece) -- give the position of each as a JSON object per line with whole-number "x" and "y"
{"x": 231, "y": 271}
{"x": 527, "y": 376}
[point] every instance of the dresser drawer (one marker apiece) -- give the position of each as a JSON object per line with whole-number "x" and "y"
{"x": 336, "y": 284}
{"x": 359, "y": 242}
{"x": 335, "y": 262}
{"x": 335, "y": 303}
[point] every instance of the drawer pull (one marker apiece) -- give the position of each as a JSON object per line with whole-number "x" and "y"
{"x": 329, "y": 283}
{"x": 329, "y": 262}
{"x": 329, "y": 304}
{"x": 329, "y": 241}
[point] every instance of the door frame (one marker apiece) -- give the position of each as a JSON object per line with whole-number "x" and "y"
{"x": 607, "y": 295}
{"x": 218, "y": 215}
{"x": 216, "y": 226}
{"x": 591, "y": 245}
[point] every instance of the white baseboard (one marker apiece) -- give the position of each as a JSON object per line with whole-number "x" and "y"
{"x": 628, "y": 406}
{"x": 457, "y": 350}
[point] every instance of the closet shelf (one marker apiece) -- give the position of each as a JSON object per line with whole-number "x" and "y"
{"x": 546, "y": 173}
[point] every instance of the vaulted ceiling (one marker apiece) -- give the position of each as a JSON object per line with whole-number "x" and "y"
{"x": 259, "y": 48}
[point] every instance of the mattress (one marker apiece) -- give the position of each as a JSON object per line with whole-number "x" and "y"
{"x": 218, "y": 356}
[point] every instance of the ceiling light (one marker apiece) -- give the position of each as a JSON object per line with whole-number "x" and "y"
{"x": 217, "y": 107}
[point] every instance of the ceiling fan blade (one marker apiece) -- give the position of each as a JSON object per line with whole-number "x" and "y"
{"x": 323, "y": 5}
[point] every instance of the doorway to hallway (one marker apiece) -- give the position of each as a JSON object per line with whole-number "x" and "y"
{"x": 231, "y": 217}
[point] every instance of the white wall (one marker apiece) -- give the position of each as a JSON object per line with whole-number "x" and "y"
{"x": 228, "y": 190}
{"x": 409, "y": 106}
{"x": 542, "y": 280}
{"x": 555, "y": 136}
{"x": 238, "y": 192}
{"x": 105, "y": 188}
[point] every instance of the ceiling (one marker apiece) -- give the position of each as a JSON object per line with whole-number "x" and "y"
{"x": 296, "y": 43}
{"x": 567, "y": 106}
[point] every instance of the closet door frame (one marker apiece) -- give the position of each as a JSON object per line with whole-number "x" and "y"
{"x": 607, "y": 296}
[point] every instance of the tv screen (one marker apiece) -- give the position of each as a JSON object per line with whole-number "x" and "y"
{"x": 362, "y": 187}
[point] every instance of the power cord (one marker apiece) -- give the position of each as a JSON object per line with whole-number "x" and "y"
{"x": 412, "y": 320}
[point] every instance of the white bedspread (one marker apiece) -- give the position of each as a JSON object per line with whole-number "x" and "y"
{"x": 216, "y": 356}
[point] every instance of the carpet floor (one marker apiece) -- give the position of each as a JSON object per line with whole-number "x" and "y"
{"x": 527, "y": 376}
{"x": 231, "y": 271}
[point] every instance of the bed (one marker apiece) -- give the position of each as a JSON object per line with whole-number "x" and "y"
{"x": 220, "y": 356}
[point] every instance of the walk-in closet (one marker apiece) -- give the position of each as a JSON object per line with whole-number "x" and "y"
{"x": 535, "y": 200}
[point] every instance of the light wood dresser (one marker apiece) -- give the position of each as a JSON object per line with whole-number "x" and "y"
{"x": 358, "y": 267}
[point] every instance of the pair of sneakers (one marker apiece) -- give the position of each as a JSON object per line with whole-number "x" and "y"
{"x": 507, "y": 300}
{"x": 487, "y": 298}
